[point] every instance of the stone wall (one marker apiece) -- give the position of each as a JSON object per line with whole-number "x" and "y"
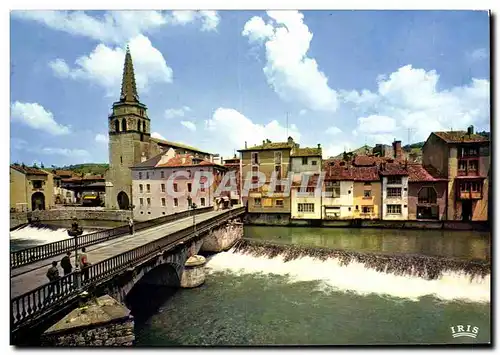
{"x": 101, "y": 322}
{"x": 270, "y": 219}
{"x": 68, "y": 214}
{"x": 222, "y": 238}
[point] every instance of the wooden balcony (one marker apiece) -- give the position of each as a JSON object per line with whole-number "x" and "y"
{"x": 468, "y": 172}
{"x": 470, "y": 195}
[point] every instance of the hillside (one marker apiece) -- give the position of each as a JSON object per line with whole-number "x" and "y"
{"x": 91, "y": 168}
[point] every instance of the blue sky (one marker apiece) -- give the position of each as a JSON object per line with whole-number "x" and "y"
{"x": 217, "y": 79}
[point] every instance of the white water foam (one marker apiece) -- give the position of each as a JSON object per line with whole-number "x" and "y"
{"x": 356, "y": 278}
{"x": 41, "y": 235}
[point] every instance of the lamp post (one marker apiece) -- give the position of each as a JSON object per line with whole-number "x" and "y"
{"x": 75, "y": 231}
{"x": 193, "y": 207}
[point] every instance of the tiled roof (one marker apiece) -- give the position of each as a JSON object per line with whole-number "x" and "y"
{"x": 311, "y": 182}
{"x": 417, "y": 173}
{"x": 150, "y": 163}
{"x": 306, "y": 152}
{"x": 63, "y": 173}
{"x": 269, "y": 146}
{"x": 393, "y": 169}
{"x": 338, "y": 173}
{"x": 28, "y": 170}
{"x": 177, "y": 145}
{"x": 365, "y": 173}
{"x": 179, "y": 160}
{"x": 460, "y": 137}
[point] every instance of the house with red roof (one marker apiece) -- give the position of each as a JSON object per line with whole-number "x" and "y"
{"x": 463, "y": 158}
{"x": 426, "y": 194}
{"x": 171, "y": 182}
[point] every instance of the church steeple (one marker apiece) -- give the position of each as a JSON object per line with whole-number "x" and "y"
{"x": 129, "y": 89}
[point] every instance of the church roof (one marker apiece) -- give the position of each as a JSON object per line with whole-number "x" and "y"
{"x": 177, "y": 145}
{"x": 129, "y": 88}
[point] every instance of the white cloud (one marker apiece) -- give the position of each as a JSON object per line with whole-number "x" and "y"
{"x": 289, "y": 71}
{"x": 157, "y": 135}
{"x": 302, "y": 112}
{"x": 333, "y": 130}
{"x": 101, "y": 138}
{"x": 238, "y": 129}
{"x": 35, "y": 116}
{"x": 410, "y": 99}
{"x": 189, "y": 125}
{"x": 104, "y": 66}
{"x": 117, "y": 26}
{"x": 479, "y": 54}
{"x": 337, "y": 148}
{"x": 176, "y": 112}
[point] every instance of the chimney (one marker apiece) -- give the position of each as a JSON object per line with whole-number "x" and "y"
{"x": 246, "y": 145}
{"x": 143, "y": 158}
{"x": 396, "y": 146}
{"x": 319, "y": 146}
{"x": 263, "y": 142}
{"x": 470, "y": 130}
{"x": 183, "y": 159}
{"x": 290, "y": 140}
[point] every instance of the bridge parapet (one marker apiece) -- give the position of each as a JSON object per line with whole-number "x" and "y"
{"x": 30, "y": 255}
{"x": 47, "y": 298}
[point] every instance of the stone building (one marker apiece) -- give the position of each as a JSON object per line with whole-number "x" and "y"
{"x": 153, "y": 196}
{"x": 464, "y": 159}
{"x": 130, "y": 141}
{"x": 30, "y": 189}
{"x": 426, "y": 194}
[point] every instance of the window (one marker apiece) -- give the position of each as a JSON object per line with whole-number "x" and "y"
{"x": 277, "y": 157}
{"x": 162, "y": 187}
{"x": 368, "y": 184}
{"x": 277, "y": 169}
{"x": 140, "y": 188}
{"x": 162, "y": 174}
{"x": 475, "y": 187}
{"x": 257, "y": 202}
{"x": 37, "y": 184}
{"x": 176, "y": 202}
{"x": 304, "y": 160}
{"x": 367, "y": 193}
{"x": 124, "y": 125}
{"x": 144, "y": 126}
{"x": 366, "y": 209}
{"x": 427, "y": 195}
{"x": 305, "y": 207}
{"x": 310, "y": 189}
{"x": 473, "y": 165}
{"x": 175, "y": 187}
{"x": 462, "y": 164}
{"x": 279, "y": 188}
{"x": 163, "y": 202}
{"x": 333, "y": 188}
{"x": 140, "y": 175}
{"x": 117, "y": 126}
{"x": 393, "y": 192}
{"x": 255, "y": 158}
{"x": 255, "y": 176}
{"x": 148, "y": 188}
{"x": 314, "y": 162}
{"x": 141, "y": 201}
{"x": 394, "y": 180}
{"x": 189, "y": 187}
{"x": 148, "y": 200}
{"x": 147, "y": 174}
{"x": 202, "y": 201}
{"x": 121, "y": 159}
{"x": 394, "y": 209}
{"x": 279, "y": 203}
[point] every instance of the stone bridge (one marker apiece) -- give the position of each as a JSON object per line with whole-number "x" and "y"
{"x": 156, "y": 255}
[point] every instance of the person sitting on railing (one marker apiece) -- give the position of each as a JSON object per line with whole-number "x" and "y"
{"x": 53, "y": 275}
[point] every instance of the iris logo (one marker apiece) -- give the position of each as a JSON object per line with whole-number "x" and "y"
{"x": 464, "y": 331}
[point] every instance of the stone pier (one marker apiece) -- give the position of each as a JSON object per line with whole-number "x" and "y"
{"x": 223, "y": 238}
{"x": 194, "y": 272}
{"x": 101, "y": 322}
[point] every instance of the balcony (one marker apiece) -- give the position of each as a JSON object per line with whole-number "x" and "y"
{"x": 470, "y": 195}
{"x": 468, "y": 172}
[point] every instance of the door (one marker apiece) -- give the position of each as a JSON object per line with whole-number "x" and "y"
{"x": 466, "y": 210}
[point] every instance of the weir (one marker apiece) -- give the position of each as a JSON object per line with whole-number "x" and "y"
{"x": 427, "y": 267}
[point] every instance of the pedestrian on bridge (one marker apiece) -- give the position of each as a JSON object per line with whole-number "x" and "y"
{"x": 131, "y": 225}
{"x": 53, "y": 275}
{"x": 66, "y": 264}
{"x": 84, "y": 263}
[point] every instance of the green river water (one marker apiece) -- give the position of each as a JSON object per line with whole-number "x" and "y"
{"x": 249, "y": 300}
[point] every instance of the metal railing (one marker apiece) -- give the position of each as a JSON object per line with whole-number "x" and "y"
{"x": 30, "y": 255}
{"x": 38, "y": 301}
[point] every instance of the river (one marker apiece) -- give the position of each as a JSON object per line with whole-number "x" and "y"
{"x": 258, "y": 300}
{"x": 249, "y": 300}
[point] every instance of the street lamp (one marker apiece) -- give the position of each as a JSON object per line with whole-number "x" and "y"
{"x": 193, "y": 207}
{"x": 75, "y": 231}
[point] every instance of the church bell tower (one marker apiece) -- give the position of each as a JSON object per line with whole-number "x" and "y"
{"x": 129, "y": 139}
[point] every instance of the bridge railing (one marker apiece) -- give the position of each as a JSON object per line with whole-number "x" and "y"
{"x": 37, "y": 301}
{"x": 30, "y": 255}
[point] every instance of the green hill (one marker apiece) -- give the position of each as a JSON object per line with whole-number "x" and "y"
{"x": 91, "y": 168}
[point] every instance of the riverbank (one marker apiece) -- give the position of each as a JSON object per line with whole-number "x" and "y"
{"x": 284, "y": 220}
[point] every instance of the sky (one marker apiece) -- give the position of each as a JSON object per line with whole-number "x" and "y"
{"x": 218, "y": 79}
